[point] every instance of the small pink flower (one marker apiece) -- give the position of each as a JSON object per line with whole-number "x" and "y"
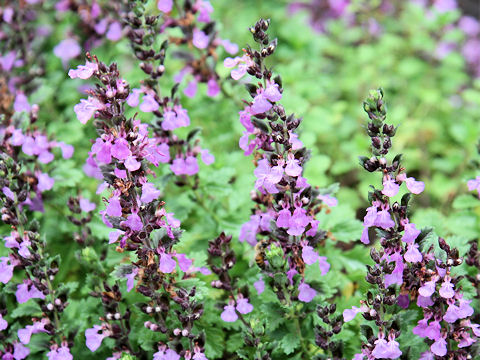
{"x": 83, "y": 71}
{"x": 229, "y": 314}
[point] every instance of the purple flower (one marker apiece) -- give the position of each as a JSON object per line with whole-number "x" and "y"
{"x": 292, "y": 168}
{"x": 24, "y": 335}
{"x": 21, "y": 103}
{"x": 26, "y": 291}
{"x": 427, "y": 289}
{"x": 86, "y": 205}
{"x": 349, "y": 314}
{"x": 424, "y": 302}
{"x": 465, "y": 310}
{"x": 260, "y": 104}
{"x": 412, "y": 255}
{"x": 328, "y": 200}
{"x": 259, "y": 285}
{"x": 62, "y": 353}
{"x": 87, "y": 108}
{"x": 243, "y": 63}
{"x": 386, "y": 350}
{"x": 272, "y": 92}
{"x": 446, "y": 290}
{"x": 114, "y": 32}
{"x": 452, "y": 314}
{"x": 183, "y": 262}
{"x": 445, "y": 5}
{"x": 114, "y": 235}
{"x": 474, "y": 184}
{"x": 167, "y": 264}
{"x": 323, "y": 265}
{"x": 67, "y": 149}
{"x": 20, "y": 351}
{"x": 83, "y": 71}
{"x": 306, "y": 293}
{"x": 403, "y": 301}
{"x": 230, "y": 47}
{"x": 309, "y": 255}
{"x": 166, "y": 355}
{"x": 212, "y": 87}
{"x": 298, "y": 222}
{"x": 411, "y": 233}
{"x": 191, "y": 89}
{"x": 149, "y": 193}
{"x": 207, "y": 157}
{"x": 469, "y": 25}
{"x": 149, "y": 104}
{"x": 268, "y": 176}
{"x": 390, "y": 187}
{"x": 132, "y": 164}
{"x": 94, "y": 338}
{"x": 439, "y": 347}
{"x": 204, "y": 9}
{"x": 421, "y": 328}
{"x": 433, "y": 331}
{"x": 3, "y": 323}
{"x": 199, "y": 356}
{"x": 122, "y": 174}
{"x": 200, "y": 39}
{"x": 243, "y": 306}
{"x": 67, "y": 49}
{"x": 165, "y": 5}
{"x": 178, "y": 166}
{"x": 396, "y": 277}
{"x": 384, "y": 220}
{"x": 133, "y": 222}
{"x": 133, "y": 97}
{"x": 120, "y": 149}
{"x": 8, "y": 193}
{"x": 114, "y": 208}
{"x": 191, "y": 165}
{"x": 103, "y": 151}
{"x": 229, "y": 314}
{"x": 130, "y": 279}
{"x": 7, "y": 61}
{"x": 415, "y": 187}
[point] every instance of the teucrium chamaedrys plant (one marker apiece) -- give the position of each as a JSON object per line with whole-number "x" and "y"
{"x": 282, "y": 226}
{"x": 124, "y": 151}
{"x": 407, "y": 273}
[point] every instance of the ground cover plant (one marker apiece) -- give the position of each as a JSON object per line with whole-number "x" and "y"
{"x": 224, "y": 180}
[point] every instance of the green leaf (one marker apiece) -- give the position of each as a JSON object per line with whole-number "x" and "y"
{"x": 290, "y": 342}
{"x": 465, "y": 202}
{"x": 29, "y": 308}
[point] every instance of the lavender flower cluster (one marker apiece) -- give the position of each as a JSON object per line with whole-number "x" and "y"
{"x": 286, "y": 205}
{"x": 404, "y": 260}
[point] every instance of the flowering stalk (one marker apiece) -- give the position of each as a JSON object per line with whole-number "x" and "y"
{"x": 222, "y": 259}
{"x": 180, "y": 153}
{"x": 21, "y": 63}
{"x": 20, "y": 178}
{"x": 198, "y": 32}
{"x": 283, "y": 225}
{"x": 419, "y": 275}
{"x": 123, "y": 152}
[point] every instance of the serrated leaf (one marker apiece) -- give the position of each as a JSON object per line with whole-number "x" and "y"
{"x": 27, "y": 309}
{"x": 290, "y": 342}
